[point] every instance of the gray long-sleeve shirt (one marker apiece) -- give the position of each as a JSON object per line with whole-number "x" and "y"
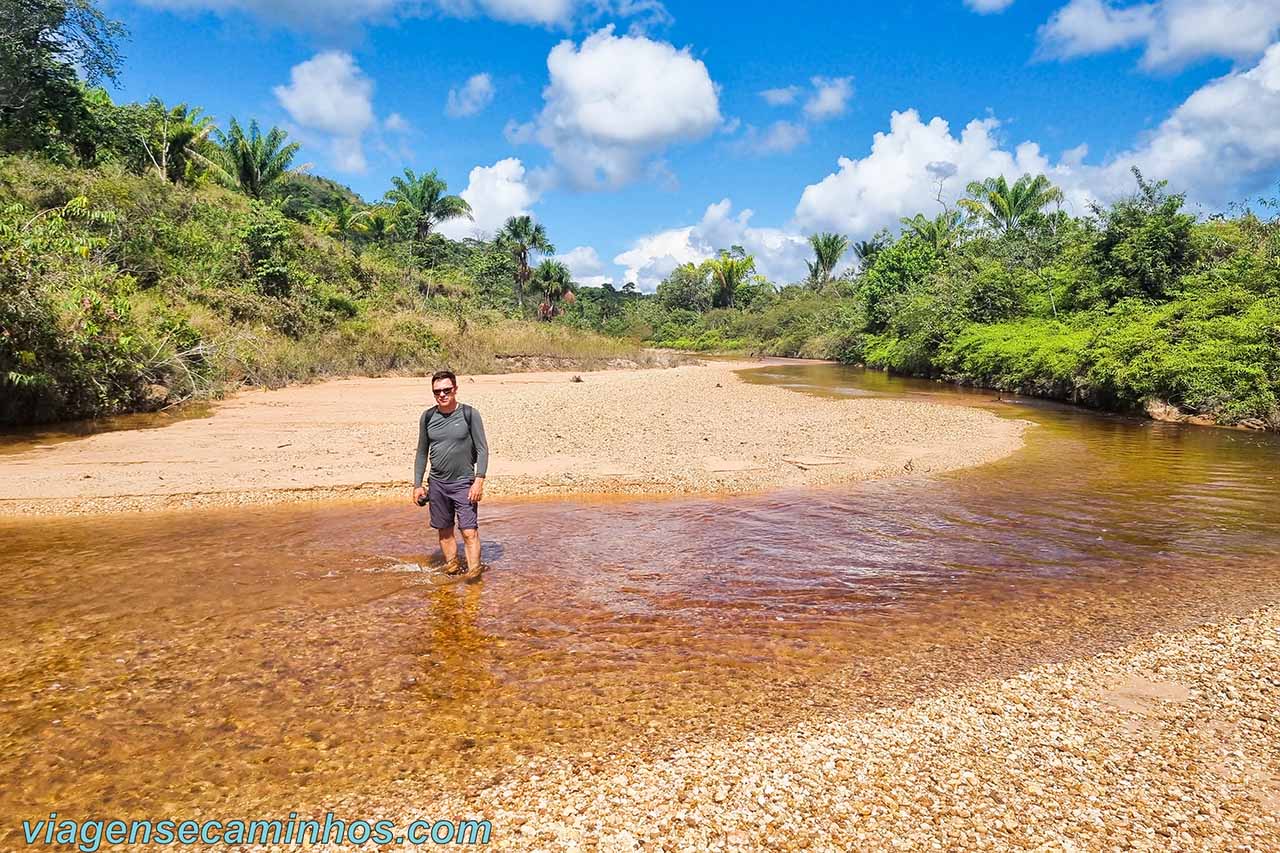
{"x": 457, "y": 451}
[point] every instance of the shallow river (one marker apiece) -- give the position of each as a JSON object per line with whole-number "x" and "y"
{"x": 174, "y": 664}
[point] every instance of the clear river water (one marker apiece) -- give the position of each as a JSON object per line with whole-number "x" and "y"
{"x": 211, "y": 662}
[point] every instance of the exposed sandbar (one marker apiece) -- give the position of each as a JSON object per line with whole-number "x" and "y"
{"x": 681, "y": 430}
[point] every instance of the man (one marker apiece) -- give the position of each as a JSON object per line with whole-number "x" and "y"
{"x": 451, "y": 435}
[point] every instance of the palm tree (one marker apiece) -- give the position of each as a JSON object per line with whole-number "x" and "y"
{"x": 380, "y": 224}
{"x": 253, "y": 161}
{"x": 350, "y": 220}
{"x": 520, "y": 235}
{"x": 424, "y": 202}
{"x": 941, "y": 232}
{"x": 1006, "y": 208}
{"x": 178, "y": 136}
{"x": 728, "y": 272}
{"x": 866, "y": 250}
{"x": 828, "y": 248}
{"x": 555, "y": 281}
{"x": 342, "y": 221}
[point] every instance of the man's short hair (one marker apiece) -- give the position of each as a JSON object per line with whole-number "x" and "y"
{"x": 443, "y": 374}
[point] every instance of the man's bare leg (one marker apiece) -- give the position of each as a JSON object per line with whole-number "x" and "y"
{"x": 448, "y": 546}
{"x": 471, "y": 542}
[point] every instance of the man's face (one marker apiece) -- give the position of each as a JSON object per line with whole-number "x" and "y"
{"x": 444, "y": 391}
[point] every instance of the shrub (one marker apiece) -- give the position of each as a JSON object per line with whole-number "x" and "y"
{"x": 1144, "y": 242}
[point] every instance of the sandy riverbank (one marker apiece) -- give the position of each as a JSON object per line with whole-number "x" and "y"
{"x": 1167, "y": 744}
{"x": 690, "y": 429}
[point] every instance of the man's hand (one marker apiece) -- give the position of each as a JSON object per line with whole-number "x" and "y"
{"x": 476, "y": 492}
{"x": 420, "y": 495}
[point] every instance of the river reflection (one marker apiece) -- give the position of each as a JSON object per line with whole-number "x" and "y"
{"x": 278, "y": 657}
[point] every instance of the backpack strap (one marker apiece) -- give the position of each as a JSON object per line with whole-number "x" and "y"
{"x": 466, "y": 416}
{"x": 428, "y": 413}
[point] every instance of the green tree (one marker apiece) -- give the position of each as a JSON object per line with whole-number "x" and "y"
{"x": 266, "y": 241}
{"x": 727, "y": 272}
{"x": 1144, "y": 242}
{"x": 520, "y": 235}
{"x": 687, "y": 287}
{"x": 755, "y": 294}
{"x": 343, "y": 221}
{"x": 1006, "y": 208}
{"x": 173, "y": 138}
{"x": 828, "y": 248}
{"x": 424, "y": 202}
{"x": 554, "y": 280}
{"x": 492, "y": 269}
{"x": 252, "y": 161}
{"x": 380, "y": 224}
{"x": 896, "y": 268}
{"x": 941, "y": 233}
{"x": 45, "y": 48}
{"x": 866, "y": 250}
{"x": 69, "y": 344}
{"x": 104, "y": 132}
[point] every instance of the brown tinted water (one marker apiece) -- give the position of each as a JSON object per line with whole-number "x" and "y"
{"x": 22, "y": 439}
{"x": 212, "y": 662}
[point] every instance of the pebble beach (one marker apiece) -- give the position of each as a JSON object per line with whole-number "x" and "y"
{"x": 1172, "y": 743}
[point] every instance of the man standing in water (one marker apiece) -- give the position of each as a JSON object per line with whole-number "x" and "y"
{"x": 451, "y": 436}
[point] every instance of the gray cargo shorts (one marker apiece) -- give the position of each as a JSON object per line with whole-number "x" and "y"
{"x": 449, "y": 498}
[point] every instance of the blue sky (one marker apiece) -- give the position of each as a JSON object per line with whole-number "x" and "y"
{"x": 645, "y": 134}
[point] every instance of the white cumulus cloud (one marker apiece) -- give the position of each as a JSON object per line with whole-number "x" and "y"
{"x": 900, "y": 175}
{"x": 1220, "y": 144}
{"x": 830, "y": 97}
{"x": 779, "y": 253}
{"x": 1172, "y": 32}
{"x": 616, "y": 101}
{"x": 471, "y": 98}
{"x": 585, "y": 265}
{"x": 494, "y": 193}
{"x": 561, "y": 13}
{"x": 518, "y": 132}
{"x": 330, "y": 94}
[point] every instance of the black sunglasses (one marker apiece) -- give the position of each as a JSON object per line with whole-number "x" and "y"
{"x": 443, "y": 391}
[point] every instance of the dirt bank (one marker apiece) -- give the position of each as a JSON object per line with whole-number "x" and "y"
{"x": 691, "y": 429}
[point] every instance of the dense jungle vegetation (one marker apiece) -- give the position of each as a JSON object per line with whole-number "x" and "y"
{"x": 149, "y": 255}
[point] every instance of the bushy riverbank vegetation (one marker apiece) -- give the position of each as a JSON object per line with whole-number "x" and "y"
{"x": 124, "y": 291}
{"x": 149, "y": 255}
{"x": 1135, "y": 306}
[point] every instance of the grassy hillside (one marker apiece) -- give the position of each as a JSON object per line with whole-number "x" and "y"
{"x": 122, "y": 292}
